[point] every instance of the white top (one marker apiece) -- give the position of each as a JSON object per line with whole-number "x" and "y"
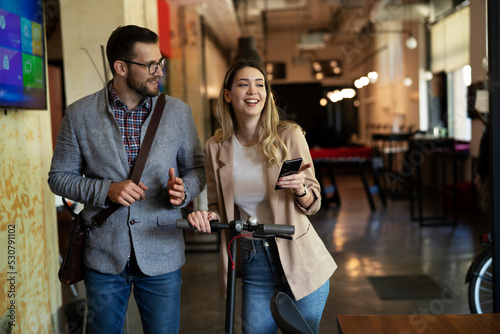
{"x": 250, "y": 184}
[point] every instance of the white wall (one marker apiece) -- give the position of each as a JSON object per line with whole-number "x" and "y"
{"x": 86, "y": 26}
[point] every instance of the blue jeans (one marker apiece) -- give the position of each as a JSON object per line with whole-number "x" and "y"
{"x": 262, "y": 275}
{"x": 157, "y": 298}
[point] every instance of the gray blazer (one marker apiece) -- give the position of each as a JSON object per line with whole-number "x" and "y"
{"x": 90, "y": 154}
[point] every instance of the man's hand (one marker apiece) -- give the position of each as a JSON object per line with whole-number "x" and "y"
{"x": 175, "y": 188}
{"x": 126, "y": 192}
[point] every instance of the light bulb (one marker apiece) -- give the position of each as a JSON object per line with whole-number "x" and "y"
{"x": 348, "y": 93}
{"x": 485, "y": 63}
{"x": 411, "y": 42}
{"x": 373, "y": 76}
{"x": 364, "y": 81}
{"x": 407, "y": 81}
{"x": 428, "y": 75}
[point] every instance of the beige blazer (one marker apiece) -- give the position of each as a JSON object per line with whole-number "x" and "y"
{"x": 306, "y": 261}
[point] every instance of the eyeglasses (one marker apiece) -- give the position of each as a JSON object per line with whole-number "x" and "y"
{"x": 152, "y": 68}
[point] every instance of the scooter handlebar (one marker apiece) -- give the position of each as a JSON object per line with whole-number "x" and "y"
{"x": 214, "y": 225}
{"x": 260, "y": 228}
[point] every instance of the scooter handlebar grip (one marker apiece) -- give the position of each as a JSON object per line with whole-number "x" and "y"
{"x": 278, "y": 229}
{"x": 184, "y": 224}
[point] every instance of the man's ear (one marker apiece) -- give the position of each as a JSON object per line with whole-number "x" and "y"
{"x": 120, "y": 68}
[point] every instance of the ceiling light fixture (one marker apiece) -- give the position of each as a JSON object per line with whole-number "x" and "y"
{"x": 364, "y": 80}
{"x": 407, "y": 81}
{"x": 247, "y": 50}
{"x": 411, "y": 42}
{"x": 373, "y": 76}
{"x": 428, "y": 75}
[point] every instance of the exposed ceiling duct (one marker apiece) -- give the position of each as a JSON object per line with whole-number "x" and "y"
{"x": 316, "y": 22}
{"x": 311, "y": 41}
{"x": 389, "y": 11}
{"x": 254, "y": 8}
{"x": 220, "y": 16}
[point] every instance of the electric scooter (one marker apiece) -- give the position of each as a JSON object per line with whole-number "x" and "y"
{"x": 284, "y": 311}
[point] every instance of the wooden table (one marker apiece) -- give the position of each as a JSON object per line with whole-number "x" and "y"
{"x": 419, "y": 323}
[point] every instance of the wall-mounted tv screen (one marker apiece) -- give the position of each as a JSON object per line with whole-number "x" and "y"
{"x": 22, "y": 55}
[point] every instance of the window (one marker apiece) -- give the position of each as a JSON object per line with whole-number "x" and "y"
{"x": 459, "y": 124}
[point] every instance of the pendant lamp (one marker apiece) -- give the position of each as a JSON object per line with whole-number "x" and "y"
{"x": 411, "y": 42}
{"x": 247, "y": 50}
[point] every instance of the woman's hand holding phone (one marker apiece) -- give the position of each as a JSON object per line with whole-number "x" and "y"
{"x": 292, "y": 176}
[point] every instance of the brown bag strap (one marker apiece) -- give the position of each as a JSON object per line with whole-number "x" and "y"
{"x": 69, "y": 208}
{"x": 104, "y": 214}
{"x": 148, "y": 139}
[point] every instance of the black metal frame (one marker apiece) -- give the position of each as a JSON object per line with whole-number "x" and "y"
{"x": 419, "y": 151}
{"x": 493, "y": 13}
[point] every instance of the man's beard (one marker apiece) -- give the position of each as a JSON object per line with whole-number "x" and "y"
{"x": 141, "y": 88}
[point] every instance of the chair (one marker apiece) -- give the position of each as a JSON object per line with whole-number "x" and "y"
{"x": 392, "y": 149}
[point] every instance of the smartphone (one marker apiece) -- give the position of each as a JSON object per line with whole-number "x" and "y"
{"x": 289, "y": 167}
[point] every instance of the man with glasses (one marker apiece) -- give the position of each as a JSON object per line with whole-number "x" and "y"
{"x": 138, "y": 246}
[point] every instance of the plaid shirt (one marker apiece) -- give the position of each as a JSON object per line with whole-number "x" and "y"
{"x": 130, "y": 122}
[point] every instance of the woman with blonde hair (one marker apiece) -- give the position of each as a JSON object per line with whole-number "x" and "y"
{"x": 242, "y": 162}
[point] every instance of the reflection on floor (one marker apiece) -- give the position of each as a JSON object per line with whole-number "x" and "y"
{"x": 366, "y": 246}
